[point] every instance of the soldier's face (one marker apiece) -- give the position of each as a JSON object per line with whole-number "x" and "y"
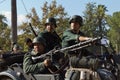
{"x": 50, "y": 27}
{"x": 75, "y": 26}
{"x": 38, "y": 48}
{"x": 16, "y": 50}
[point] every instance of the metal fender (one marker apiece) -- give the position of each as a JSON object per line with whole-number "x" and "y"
{"x": 9, "y": 75}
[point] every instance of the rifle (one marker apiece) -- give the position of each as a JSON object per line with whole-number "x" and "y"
{"x": 33, "y": 30}
{"x": 70, "y": 48}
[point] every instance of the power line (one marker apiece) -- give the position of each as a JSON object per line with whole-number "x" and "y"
{"x": 24, "y": 6}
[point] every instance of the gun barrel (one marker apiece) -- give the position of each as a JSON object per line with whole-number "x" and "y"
{"x": 70, "y": 48}
{"x": 80, "y": 44}
{"x": 33, "y": 30}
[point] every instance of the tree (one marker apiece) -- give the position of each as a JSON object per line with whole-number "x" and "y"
{"x": 95, "y": 20}
{"x": 48, "y": 10}
{"x": 58, "y": 12}
{"x": 114, "y": 32}
{"x": 4, "y": 33}
{"x": 3, "y": 23}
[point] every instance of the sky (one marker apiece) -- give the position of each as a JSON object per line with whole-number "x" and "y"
{"x": 72, "y": 7}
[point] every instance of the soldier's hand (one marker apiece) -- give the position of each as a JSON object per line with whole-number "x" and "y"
{"x": 47, "y": 62}
{"x": 82, "y": 38}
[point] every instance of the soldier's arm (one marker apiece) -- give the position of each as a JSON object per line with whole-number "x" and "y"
{"x": 29, "y": 67}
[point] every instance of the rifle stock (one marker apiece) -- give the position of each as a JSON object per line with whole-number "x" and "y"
{"x": 70, "y": 48}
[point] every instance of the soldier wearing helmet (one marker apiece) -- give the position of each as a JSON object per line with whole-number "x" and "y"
{"x": 41, "y": 65}
{"x": 16, "y": 49}
{"x": 49, "y": 34}
{"x": 51, "y": 20}
{"x": 73, "y": 36}
{"x": 76, "y": 18}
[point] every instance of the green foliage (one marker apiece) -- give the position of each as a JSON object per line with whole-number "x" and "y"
{"x": 21, "y": 40}
{"x": 58, "y": 12}
{"x": 95, "y": 20}
{"x": 49, "y": 10}
{"x": 4, "y": 34}
{"x": 114, "y": 32}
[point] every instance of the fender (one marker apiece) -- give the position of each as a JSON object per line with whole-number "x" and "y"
{"x": 9, "y": 74}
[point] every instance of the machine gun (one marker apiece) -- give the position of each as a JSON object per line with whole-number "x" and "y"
{"x": 9, "y": 59}
{"x": 70, "y": 48}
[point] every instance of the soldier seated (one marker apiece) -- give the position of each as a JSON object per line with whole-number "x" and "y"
{"x": 38, "y": 66}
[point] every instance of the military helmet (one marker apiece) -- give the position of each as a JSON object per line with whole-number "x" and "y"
{"x": 51, "y": 20}
{"x": 16, "y": 46}
{"x": 76, "y": 18}
{"x": 39, "y": 40}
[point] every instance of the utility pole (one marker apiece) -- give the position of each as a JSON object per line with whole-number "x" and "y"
{"x": 14, "y": 21}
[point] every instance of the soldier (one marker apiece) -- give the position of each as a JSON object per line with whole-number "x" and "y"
{"x": 14, "y": 56}
{"x": 52, "y": 39}
{"x": 73, "y": 36}
{"x": 16, "y": 49}
{"x": 50, "y": 35}
{"x": 40, "y": 66}
{"x": 29, "y": 44}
